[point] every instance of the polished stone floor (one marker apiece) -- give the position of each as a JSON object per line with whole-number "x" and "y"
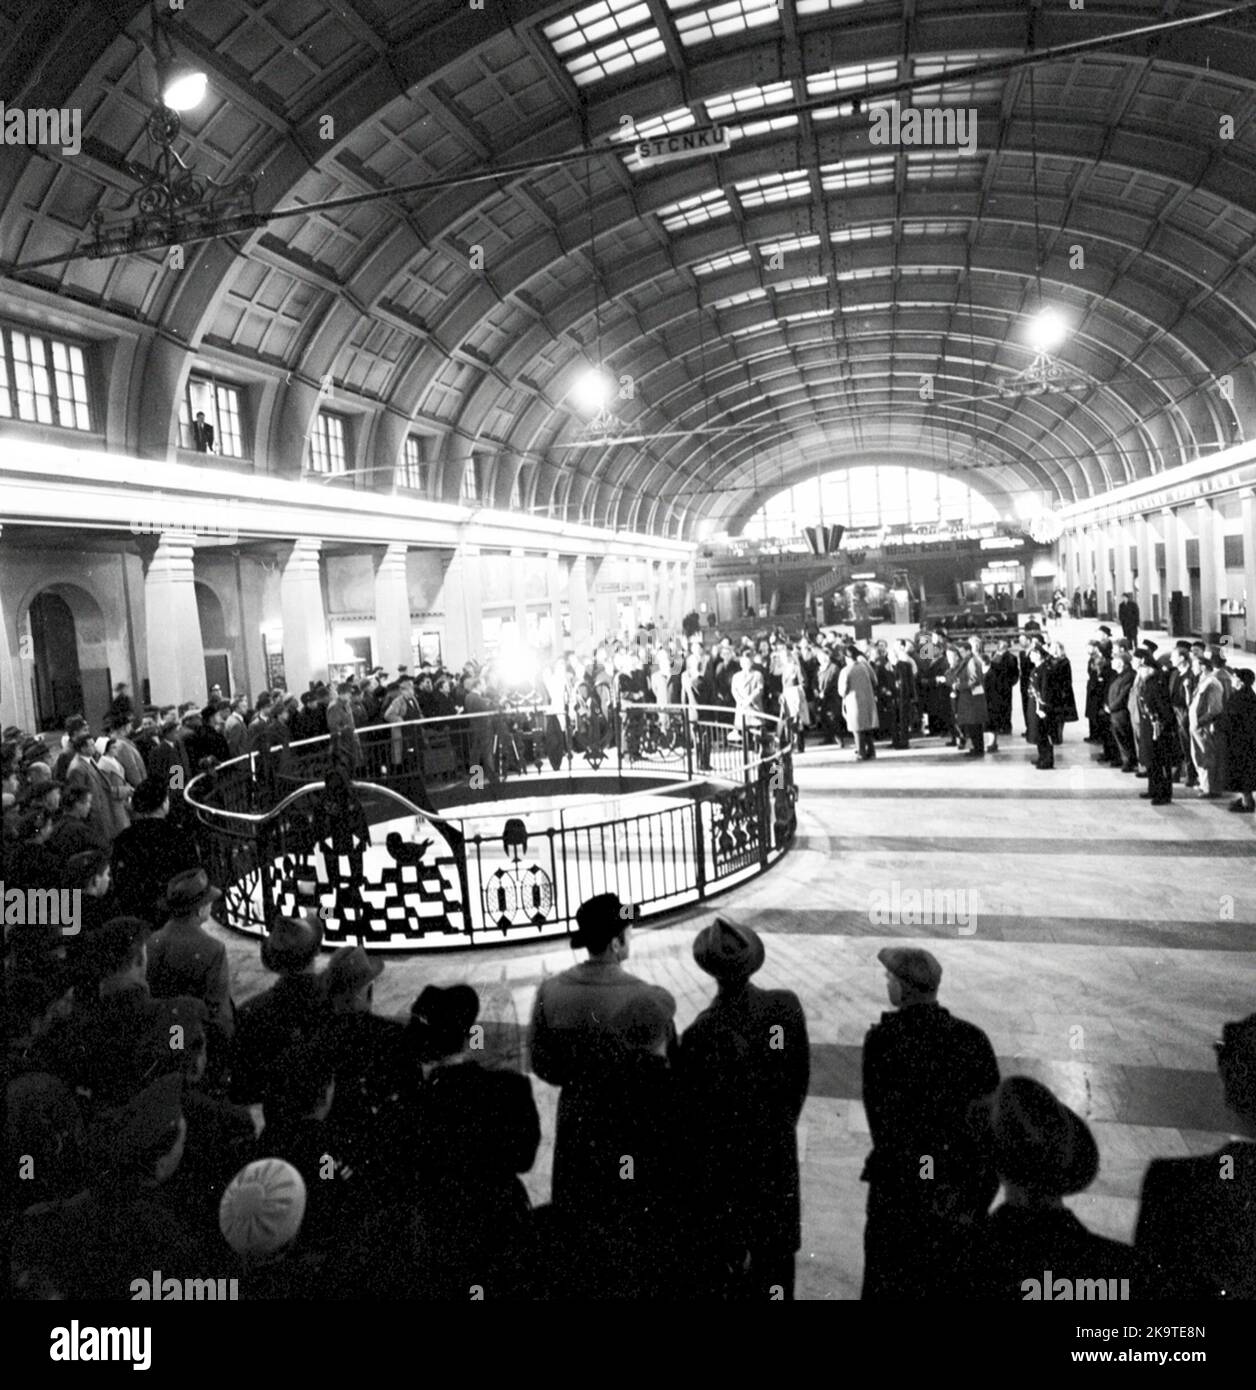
{"x": 1099, "y": 941}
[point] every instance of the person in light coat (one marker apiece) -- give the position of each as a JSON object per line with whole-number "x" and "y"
{"x": 1207, "y": 727}
{"x": 858, "y": 694}
{"x": 747, "y": 691}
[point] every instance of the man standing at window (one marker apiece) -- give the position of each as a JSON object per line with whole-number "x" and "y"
{"x": 202, "y": 434}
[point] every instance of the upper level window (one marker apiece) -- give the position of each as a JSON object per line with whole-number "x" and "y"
{"x": 43, "y": 379}
{"x": 414, "y": 466}
{"x": 209, "y": 417}
{"x": 327, "y": 444}
{"x": 471, "y": 481}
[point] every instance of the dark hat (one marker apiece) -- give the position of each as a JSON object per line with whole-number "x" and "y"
{"x": 1107, "y": 631}
{"x": 446, "y": 1013}
{"x": 1245, "y": 675}
{"x": 600, "y": 920}
{"x": 291, "y": 944}
{"x": 151, "y": 795}
{"x": 106, "y": 950}
{"x": 1147, "y": 645}
{"x": 920, "y": 970}
{"x": 350, "y": 970}
{"x": 133, "y": 1132}
{"x": 1038, "y": 1142}
{"x": 81, "y": 868}
{"x": 11, "y": 735}
{"x": 728, "y": 951}
{"x": 189, "y": 890}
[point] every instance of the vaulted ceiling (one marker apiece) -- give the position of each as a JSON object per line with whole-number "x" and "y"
{"x": 775, "y": 309}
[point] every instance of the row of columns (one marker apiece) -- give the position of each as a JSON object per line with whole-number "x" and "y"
{"x": 174, "y": 641}
{"x": 1098, "y": 556}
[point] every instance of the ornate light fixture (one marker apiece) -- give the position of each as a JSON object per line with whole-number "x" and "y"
{"x": 175, "y": 205}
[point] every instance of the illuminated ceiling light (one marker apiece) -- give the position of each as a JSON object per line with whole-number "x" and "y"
{"x": 1047, "y": 330}
{"x": 185, "y": 89}
{"x": 592, "y": 390}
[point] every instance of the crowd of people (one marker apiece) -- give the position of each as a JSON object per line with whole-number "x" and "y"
{"x": 305, "y": 1146}
{"x": 310, "y": 1147}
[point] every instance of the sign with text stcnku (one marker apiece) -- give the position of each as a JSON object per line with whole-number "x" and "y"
{"x": 683, "y": 144}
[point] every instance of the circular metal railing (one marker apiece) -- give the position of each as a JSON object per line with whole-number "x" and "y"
{"x": 494, "y": 826}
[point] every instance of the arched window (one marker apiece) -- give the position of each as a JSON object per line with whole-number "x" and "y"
{"x": 870, "y": 496}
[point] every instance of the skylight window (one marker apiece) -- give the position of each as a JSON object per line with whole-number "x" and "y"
{"x": 931, "y": 165}
{"x": 796, "y": 243}
{"x": 692, "y": 212}
{"x": 935, "y": 228}
{"x": 822, "y": 6}
{"x": 800, "y": 282}
{"x": 745, "y": 297}
{"x": 854, "y": 78}
{"x": 749, "y": 99}
{"x": 861, "y": 233}
{"x": 857, "y": 173}
{"x": 773, "y": 188}
{"x": 868, "y": 272}
{"x": 984, "y": 89}
{"x": 602, "y": 39}
{"x": 697, "y": 23}
{"x": 806, "y": 314}
{"x": 722, "y": 263}
{"x": 679, "y": 119}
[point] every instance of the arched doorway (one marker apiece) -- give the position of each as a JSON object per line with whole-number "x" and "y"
{"x": 214, "y": 640}
{"x": 71, "y": 660}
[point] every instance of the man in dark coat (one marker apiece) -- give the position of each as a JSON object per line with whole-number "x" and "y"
{"x": 745, "y": 1065}
{"x": 1127, "y": 615}
{"x": 1043, "y": 1152}
{"x": 923, "y": 1071}
{"x": 284, "y": 1017}
{"x": 1001, "y": 679}
{"x": 1043, "y": 693}
{"x": 149, "y": 853}
{"x": 1060, "y": 676}
{"x": 1157, "y": 715}
{"x": 574, "y": 1039}
{"x": 1025, "y": 666}
{"x": 1120, "y": 748}
{"x": 1240, "y": 732}
{"x": 1197, "y": 1218}
{"x": 1182, "y": 682}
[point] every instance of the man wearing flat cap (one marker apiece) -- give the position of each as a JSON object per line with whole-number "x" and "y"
{"x": 1042, "y": 1152}
{"x": 745, "y": 1064}
{"x": 1197, "y": 1218}
{"x": 923, "y": 1072}
{"x": 184, "y": 959}
{"x": 577, "y": 1022}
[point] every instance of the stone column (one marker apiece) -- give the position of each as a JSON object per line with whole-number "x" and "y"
{"x": 518, "y": 565}
{"x": 1209, "y": 599}
{"x": 304, "y": 617}
{"x": 13, "y": 673}
{"x": 175, "y": 649}
{"x": 393, "y": 631}
{"x": 1148, "y": 579}
{"x": 1174, "y": 561}
{"x": 463, "y": 606}
{"x": 581, "y": 608}
{"x": 1123, "y": 579}
{"x": 554, "y": 597}
{"x": 1247, "y": 506}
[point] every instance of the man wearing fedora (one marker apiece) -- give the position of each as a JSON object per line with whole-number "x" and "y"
{"x": 288, "y": 1014}
{"x": 577, "y": 1021}
{"x": 1197, "y": 1218}
{"x": 1042, "y": 1152}
{"x": 923, "y": 1072}
{"x": 745, "y": 1064}
{"x": 184, "y": 959}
